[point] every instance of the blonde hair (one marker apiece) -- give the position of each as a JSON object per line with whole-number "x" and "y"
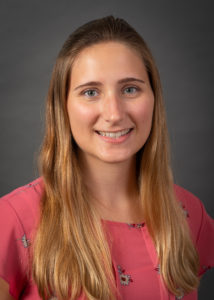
{"x": 71, "y": 245}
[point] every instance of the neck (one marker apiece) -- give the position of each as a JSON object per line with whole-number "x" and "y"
{"x": 113, "y": 186}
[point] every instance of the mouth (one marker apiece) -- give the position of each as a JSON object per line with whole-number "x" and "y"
{"x": 114, "y": 134}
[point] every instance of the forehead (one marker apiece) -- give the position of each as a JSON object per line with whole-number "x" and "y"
{"x": 107, "y": 59}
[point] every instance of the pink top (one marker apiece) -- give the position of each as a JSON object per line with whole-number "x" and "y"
{"x": 134, "y": 257}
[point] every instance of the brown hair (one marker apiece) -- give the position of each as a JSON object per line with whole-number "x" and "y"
{"x": 71, "y": 246}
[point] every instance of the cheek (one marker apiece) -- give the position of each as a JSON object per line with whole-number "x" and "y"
{"x": 144, "y": 114}
{"x": 81, "y": 117}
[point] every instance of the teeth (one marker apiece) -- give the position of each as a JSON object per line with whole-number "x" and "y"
{"x": 114, "y": 135}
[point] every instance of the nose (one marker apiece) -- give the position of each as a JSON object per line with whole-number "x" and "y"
{"x": 113, "y": 108}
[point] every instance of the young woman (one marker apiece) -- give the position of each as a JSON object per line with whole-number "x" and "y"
{"x": 104, "y": 220}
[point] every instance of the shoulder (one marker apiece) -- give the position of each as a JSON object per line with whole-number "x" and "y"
{"x": 186, "y": 196}
{"x": 190, "y": 202}
{"x": 26, "y": 194}
{"x": 22, "y": 204}
{"x": 193, "y": 209}
{"x": 201, "y": 226}
{"x": 19, "y": 212}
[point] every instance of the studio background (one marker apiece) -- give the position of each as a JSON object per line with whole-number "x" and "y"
{"x": 181, "y": 37}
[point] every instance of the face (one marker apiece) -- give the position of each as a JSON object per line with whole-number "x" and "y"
{"x": 110, "y": 102}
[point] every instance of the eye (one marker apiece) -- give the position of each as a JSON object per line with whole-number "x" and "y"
{"x": 131, "y": 90}
{"x": 90, "y": 93}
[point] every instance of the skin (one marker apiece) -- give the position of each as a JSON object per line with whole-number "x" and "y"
{"x": 109, "y": 168}
{"x": 4, "y": 291}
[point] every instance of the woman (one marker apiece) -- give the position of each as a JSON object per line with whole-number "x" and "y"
{"x": 104, "y": 220}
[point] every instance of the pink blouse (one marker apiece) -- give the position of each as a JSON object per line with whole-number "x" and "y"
{"x": 134, "y": 258}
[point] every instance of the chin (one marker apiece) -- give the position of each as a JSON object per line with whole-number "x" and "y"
{"x": 116, "y": 159}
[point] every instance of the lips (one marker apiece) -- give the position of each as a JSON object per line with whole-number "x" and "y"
{"x": 114, "y": 134}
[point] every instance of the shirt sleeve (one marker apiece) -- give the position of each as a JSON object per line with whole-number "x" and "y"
{"x": 205, "y": 241}
{"x": 13, "y": 249}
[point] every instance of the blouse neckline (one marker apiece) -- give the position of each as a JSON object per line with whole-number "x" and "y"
{"x": 117, "y": 223}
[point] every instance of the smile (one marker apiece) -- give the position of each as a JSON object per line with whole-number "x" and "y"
{"x": 114, "y": 135}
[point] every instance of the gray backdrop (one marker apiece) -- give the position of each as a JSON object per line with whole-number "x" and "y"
{"x": 181, "y": 37}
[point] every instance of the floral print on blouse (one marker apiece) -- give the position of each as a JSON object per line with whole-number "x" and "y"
{"x": 134, "y": 258}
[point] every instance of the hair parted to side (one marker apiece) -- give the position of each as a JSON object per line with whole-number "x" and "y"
{"x": 71, "y": 251}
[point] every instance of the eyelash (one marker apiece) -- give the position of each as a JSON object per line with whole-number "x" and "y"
{"x": 85, "y": 91}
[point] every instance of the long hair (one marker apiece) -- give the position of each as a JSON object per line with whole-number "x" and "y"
{"x": 71, "y": 252}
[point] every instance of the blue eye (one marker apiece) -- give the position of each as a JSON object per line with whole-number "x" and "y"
{"x": 90, "y": 93}
{"x": 130, "y": 88}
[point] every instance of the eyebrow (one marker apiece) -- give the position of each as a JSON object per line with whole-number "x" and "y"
{"x": 124, "y": 80}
